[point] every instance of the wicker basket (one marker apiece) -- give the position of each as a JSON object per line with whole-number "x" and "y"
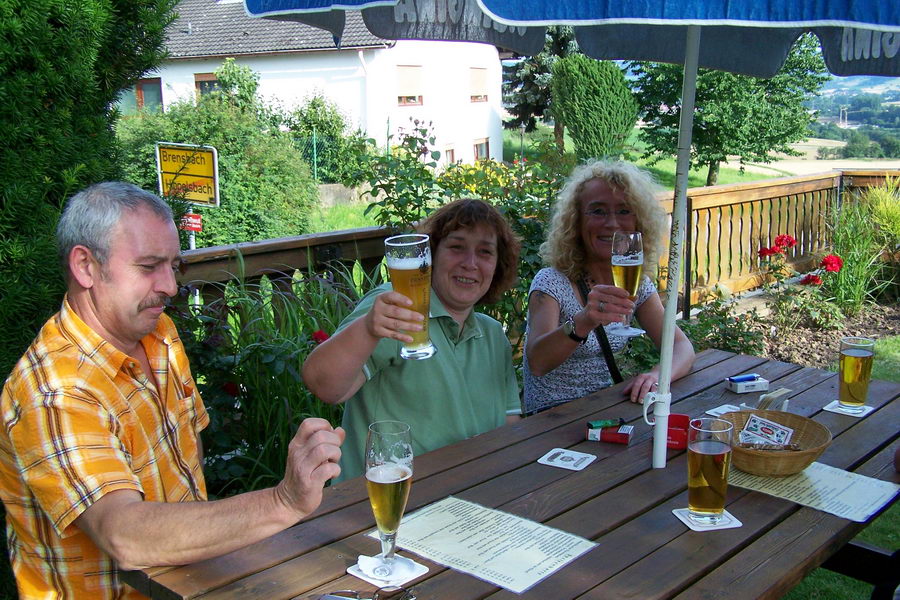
{"x": 812, "y": 437}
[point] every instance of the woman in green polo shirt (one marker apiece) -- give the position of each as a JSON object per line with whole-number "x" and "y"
{"x": 468, "y": 386}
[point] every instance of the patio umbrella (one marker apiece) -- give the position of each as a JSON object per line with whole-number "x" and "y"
{"x": 749, "y": 37}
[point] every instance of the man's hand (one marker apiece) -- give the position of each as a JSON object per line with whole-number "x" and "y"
{"x": 313, "y": 457}
{"x": 388, "y": 317}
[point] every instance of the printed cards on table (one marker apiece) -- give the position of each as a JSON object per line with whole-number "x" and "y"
{"x": 763, "y": 431}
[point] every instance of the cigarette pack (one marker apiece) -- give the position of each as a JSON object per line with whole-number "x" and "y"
{"x": 753, "y": 385}
{"x": 676, "y": 435}
{"x": 620, "y": 434}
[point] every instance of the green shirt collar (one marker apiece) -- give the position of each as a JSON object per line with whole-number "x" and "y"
{"x": 471, "y": 329}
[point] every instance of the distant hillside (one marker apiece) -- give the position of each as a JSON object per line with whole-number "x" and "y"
{"x": 861, "y": 84}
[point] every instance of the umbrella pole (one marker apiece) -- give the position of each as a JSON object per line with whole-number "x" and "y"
{"x": 663, "y": 398}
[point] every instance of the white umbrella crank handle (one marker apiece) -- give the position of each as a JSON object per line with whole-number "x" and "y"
{"x": 659, "y": 402}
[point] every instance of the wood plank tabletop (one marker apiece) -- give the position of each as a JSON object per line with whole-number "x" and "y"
{"x": 618, "y": 501}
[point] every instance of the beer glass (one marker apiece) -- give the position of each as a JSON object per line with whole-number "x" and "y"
{"x": 627, "y": 266}
{"x": 857, "y": 354}
{"x": 409, "y": 262}
{"x": 709, "y": 455}
{"x": 389, "y": 463}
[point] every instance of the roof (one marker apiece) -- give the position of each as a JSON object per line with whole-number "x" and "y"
{"x": 210, "y": 28}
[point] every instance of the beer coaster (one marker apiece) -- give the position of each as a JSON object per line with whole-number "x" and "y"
{"x": 721, "y": 410}
{"x": 567, "y": 459}
{"x": 728, "y": 521}
{"x": 411, "y": 570}
{"x": 836, "y": 407}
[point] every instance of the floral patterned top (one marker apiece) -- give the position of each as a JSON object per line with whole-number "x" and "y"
{"x": 585, "y": 371}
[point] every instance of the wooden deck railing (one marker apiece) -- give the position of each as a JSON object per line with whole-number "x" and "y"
{"x": 728, "y": 226}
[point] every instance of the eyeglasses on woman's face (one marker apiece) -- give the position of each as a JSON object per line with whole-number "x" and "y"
{"x": 391, "y": 592}
{"x": 601, "y": 213}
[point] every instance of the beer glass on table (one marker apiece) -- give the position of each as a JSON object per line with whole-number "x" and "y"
{"x": 389, "y": 463}
{"x": 857, "y": 354}
{"x": 709, "y": 456}
{"x": 627, "y": 266}
{"x": 409, "y": 262}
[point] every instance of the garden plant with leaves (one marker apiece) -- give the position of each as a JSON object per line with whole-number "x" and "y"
{"x": 861, "y": 246}
{"x": 246, "y": 344}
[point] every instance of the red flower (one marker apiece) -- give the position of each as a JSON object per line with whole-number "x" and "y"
{"x": 785, "y": 241}
{"x": 766, "y": 252}
{"x": 832, "y": 263}
{"x": 811, "y": 279}
{"x": 320, "y": 336}
{"x": 231, "y": 388}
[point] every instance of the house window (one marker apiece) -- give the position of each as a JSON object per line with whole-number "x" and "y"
{"x": 145, "y": 95}
{"x": 478, "y": 87}
{"x": 409, "y": 85}
{"x": 449, "y": 156}
{"x": 482, "y": 149}
{"x": 205, "y": 83}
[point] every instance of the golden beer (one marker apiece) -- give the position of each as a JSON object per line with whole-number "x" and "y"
{"x": 412, "y": 278}
{"x": 627, "y": 275}
{"x": 388, "y": 486}
{"x": 409, "y": 263}
{"x": 708, "y": 462}
{"x": 856, "y": 370}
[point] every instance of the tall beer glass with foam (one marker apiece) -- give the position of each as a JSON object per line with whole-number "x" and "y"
{"x": 409, "y": 262}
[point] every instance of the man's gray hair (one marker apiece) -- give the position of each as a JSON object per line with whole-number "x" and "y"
{"x": 91, "y": 215}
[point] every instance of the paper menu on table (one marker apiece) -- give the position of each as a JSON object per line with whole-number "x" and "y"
{"x": 842, "y": 493}
{"x": 500, "y": 548}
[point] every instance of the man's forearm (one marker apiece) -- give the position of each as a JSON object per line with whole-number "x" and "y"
{"x": 140, "y": 534}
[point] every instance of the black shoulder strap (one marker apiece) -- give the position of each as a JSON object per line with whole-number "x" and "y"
{"x": 601, "y": 337}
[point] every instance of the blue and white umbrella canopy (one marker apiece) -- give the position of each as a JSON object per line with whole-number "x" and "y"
{"x": 749, "y": 37}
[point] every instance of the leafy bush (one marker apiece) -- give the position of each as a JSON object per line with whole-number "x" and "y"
{"x": 62, "y": 66}
{"x": 404, "y": 188}
{"x": 246, "y": 348}
{"x": 265, "y": 186}
{"x": 716, "y": 325}
{"x": 336, "y": 154}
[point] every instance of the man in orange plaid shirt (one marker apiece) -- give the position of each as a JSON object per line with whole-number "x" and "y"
{"x": 100, "y": 454}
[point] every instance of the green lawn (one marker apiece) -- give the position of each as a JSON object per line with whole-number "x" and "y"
{"x": 664, "y": 170}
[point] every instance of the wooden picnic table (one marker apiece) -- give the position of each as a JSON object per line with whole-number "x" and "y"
{"x": 618, "y": 501}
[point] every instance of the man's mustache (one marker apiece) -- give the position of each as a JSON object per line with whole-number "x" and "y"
{"x": 163, "y": 301}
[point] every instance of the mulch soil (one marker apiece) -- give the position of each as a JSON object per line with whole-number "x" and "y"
{"x": 819, "y": 348}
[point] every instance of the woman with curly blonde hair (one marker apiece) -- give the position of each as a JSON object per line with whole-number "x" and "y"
{"x": 563, "y": 355}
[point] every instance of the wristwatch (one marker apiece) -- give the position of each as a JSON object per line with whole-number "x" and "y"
{"x": 569, "y": 329}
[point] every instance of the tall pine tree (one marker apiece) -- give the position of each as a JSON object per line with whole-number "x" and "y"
{"x": 527, "y": 88}
{"x": 594, "y": 101}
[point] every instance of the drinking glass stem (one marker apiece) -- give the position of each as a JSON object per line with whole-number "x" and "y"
{"x": 388, "y": 545}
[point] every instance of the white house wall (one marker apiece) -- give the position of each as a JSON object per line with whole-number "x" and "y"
{"x": 363, "y": 85}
